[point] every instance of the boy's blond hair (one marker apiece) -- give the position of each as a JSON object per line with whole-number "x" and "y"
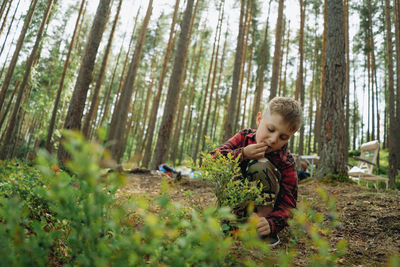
{"x": 289, "y": 108}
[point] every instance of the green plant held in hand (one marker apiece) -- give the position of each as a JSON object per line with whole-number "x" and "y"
{"x": 230, "y": 188}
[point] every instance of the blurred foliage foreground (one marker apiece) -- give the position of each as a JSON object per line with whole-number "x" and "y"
{"x": 72, "y": 217}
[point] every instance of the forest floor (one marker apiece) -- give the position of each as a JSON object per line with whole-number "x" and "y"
{"x": 370, "y": 218}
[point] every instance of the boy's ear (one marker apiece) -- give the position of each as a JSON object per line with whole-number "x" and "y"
{"x": 259, "y": 117}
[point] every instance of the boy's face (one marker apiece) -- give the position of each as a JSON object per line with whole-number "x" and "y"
{"x": 273, "y": 131}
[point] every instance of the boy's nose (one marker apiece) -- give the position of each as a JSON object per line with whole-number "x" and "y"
{"x": 273, "y": 139}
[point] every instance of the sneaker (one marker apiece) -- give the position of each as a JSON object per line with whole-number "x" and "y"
{"x": 271, "y": 239}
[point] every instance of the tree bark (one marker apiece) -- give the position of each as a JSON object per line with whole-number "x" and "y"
{"x": 175, "y": 84}
{"x": 8, "y": 32}
{"x": 278, "y": 39}
{"x": 156, "y": 99}
{"x": 88, "y": 124}
{"x": 61, "y": 84}
{"x": 318, "y": 115}
{"x": 120, "y": 115}
{"x": 77, "y": 103}
{"x": 393, "y": 155}
{"x": 13, "y": 63}
{"x": 260, "y": 72}
{"x": 24, "y": 83}
{"x": 5, "y": 16}
{"x": 300, "y": 82}
{"x": 333, "y": 151}
{"x": 230, "y": 123}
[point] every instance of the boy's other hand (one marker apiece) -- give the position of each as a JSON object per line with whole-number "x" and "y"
{"x": 255, "y": 151}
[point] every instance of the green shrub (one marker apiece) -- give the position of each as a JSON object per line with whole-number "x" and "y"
{"x": 230, "y": 188}
{"x": 315, "y": 228}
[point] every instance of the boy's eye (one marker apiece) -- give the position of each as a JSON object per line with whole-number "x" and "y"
{"x": 270, "y": 130}
{"x": 284, "y": 138}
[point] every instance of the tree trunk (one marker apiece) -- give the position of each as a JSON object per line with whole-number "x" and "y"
{"x": 8, "y": 32}
{"x": 4, "y": 115}
{"x": 175, "y": 84}
{"x": 5, "y": 16}
{"x": 248, "y": 81}
{"x": 276, "y": 63}
{"x": 24, "y": 83}
{"x": 120, "y": 115}
{"x": 393, "y": 155}
{"x": 200, "y": 131}
{"x": 173, "y": 150}
{"x": 260, "y": 73}
{"x": 217, "y": 102}
{"x": 107, "y": 95}
{"x": 397, "y": 31}
{"x": 347, "y": 81}
{"x": 61, "y": 84}
{"x": 243, "y": 63}
{"x": 333, "y": 151}
{"x": 318, "y": 115}
{"x": 77, "y": 103}
{"x": 122, "y": 78}
{"x": 88, "y": 124}
{"x": 193, "y": 85}
{"x": 300, "y": 82}
{"x": 13, "y": 63}
{"x": 230, "y": 122}
{"x": 156, "y": 99}
{"x": 286, "y": 61}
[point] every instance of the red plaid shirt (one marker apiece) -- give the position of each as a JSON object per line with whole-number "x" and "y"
{"x": 286, "y": 165}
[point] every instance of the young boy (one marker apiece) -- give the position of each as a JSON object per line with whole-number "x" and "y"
{"x": 268, "y": 144}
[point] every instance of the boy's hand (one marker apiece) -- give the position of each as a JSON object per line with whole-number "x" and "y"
{"x": 254, "y": 151}
{"x": 263, "y": 226}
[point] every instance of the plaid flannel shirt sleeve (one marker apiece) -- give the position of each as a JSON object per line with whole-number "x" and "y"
{"x": 233, "y": 146}
{"x": 285, "y": 201}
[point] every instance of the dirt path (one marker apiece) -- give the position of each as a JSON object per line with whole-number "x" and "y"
{"x": 370, "y": 219}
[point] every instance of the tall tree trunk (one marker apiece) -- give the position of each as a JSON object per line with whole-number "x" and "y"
{"x": 175, "y": 84}
{"x": 200, "y": 133}
{"x": 120, "y": 115}
{"x": 87, "y": 126}
{"x": 300, "y": 82}
{"x": 333, "y": 152}
{"x": 247, "y": 23}
{"x": 5, "y": 16}
{"x": 286, "y": 61}
{"x": 248, "y": 81}
{"x": 13, "y": 63}
{"x": 230, "y": 122}
{"x": 24, "y": 83}
{"x": 397, "y": 31}
{"x": 61, "y": 84}
{"x": 122, "y": 78}
{"x": 193, "y": 86}
{"x": 77, "y": 103}
{"x": 260, "y": 73}
{"x": 318, "y": 115}
{"x": 278, "y": 40}
{"x": 393, "y": 155}
{"x": 8, "y": 32}
{"x": 2, "y": 8}
{"x": 355, "y": 108}
{"x": 217, "y": 102}
{"x": 107, "y": 95}
{"x": 347, "y": 81}
{"x": 4, "y": 115}
{"x": 156, "y": 99}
